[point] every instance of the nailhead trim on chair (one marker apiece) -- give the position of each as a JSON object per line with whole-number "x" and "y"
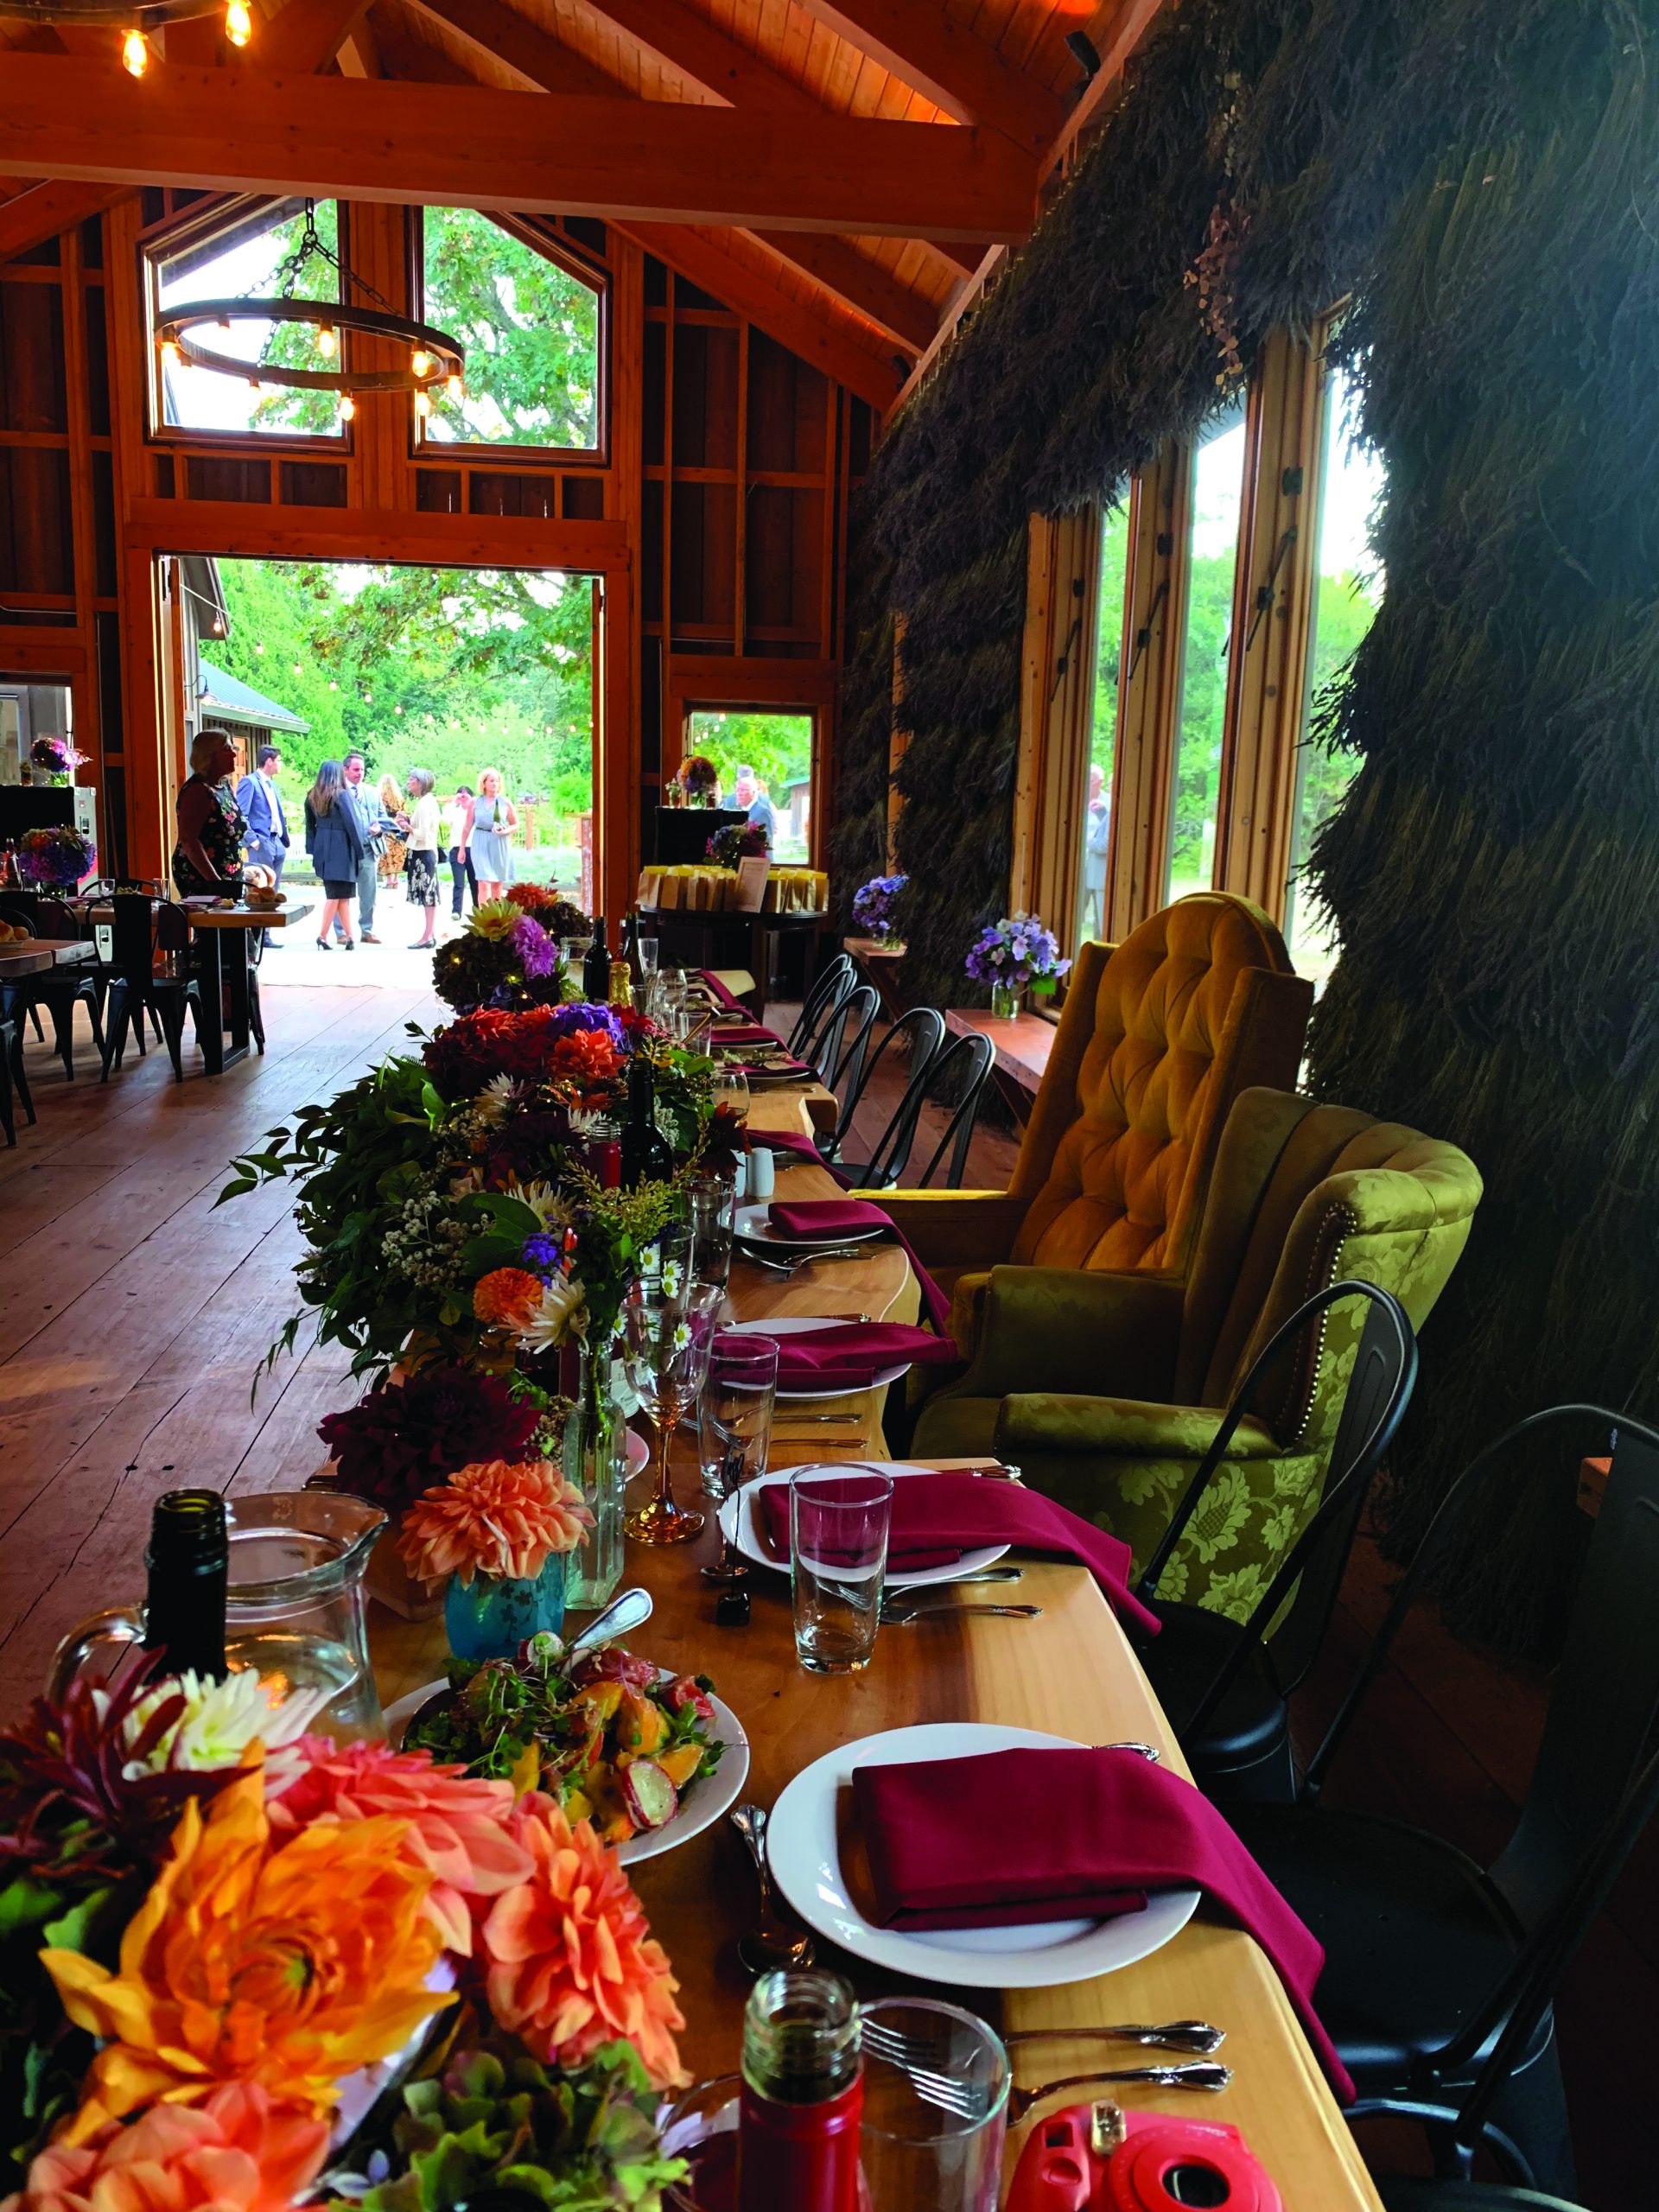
{"x": 1319, "y": 1277}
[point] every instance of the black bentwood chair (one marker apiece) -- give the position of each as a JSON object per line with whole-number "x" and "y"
{"x": 1226, "y": 1689}
{"x": 12, "y": 1078}
{"x": 58, "y": 991}
{"x": 148, "y": 973}
{"x": 922, "y": 1029}
{"x": 832, "y": 982}
{"x": 1440, "y": 1976}
{"x": 1467, "y": 2197}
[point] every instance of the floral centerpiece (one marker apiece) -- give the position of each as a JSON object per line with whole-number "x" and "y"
{"x": 245, "y": 1967}
{"x": 55, "y": 859}
{"x": 559, "y": 917}
{"x": 55, "y": 757}
{"x": 698, "y": 780}
{"x": 1012, "y": 955}
{"x": 738, "y": 840}
{"x": 876, "y": 906}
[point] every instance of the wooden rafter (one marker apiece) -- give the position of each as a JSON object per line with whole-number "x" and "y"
{"x": 919, "y": 44}
{"x": 305, "y": 37}
{"x": 246, "y": 130}
{"x": 501, "y": 32}
{"x": 864, "y": 284}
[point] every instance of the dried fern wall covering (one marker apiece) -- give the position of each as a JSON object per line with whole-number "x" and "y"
{"x": 1481, "y": 179}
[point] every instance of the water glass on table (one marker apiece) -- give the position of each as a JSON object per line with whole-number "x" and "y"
{"x": 734, "y": 1428}
{"x": 711, "y": 1201}
{"x": 648, "y": 946}
{"x": 839, "y": 1520}
{"x": 936, "y": 2106}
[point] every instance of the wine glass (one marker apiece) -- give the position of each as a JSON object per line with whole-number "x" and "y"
{"x": 731, "y": 1088}
{"x": 734, "y": 1426}
{"x": 668, "y": 1327}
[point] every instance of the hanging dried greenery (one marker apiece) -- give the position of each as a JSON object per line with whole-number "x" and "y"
{"x": 1480, "y": 179}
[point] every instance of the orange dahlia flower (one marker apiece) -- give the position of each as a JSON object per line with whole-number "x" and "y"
{"x": 282, "y": 1967}
{"x": 571, "y": 1963}
{"x": 506, "y": 1298}
{"x": 456, "y": 1825}
{"x": 504, "y": 1520}
{"x": 238, "y": 2153}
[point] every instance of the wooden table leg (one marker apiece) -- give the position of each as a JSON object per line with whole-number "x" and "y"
{"x": 235, "y": 975}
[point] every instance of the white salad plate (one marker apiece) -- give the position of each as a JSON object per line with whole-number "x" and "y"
{"x": 700, "y": 1805}
{"x": 754, "y": 1228}
{"x": 796, "y": 1324}
{"x": 803, "y": 1846}
{"x": 742, "y": 1523}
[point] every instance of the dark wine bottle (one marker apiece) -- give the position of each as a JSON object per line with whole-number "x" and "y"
{"x": 596, "y": 968}
{"x": 646, "y": 1155}
{"x": 188, "y": 1561}
{"x": 629, "y": 952}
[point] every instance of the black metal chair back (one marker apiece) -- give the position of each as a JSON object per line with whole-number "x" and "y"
{"x": 963, "y": 1068}
{"x": 837, "y": 975}
{"x": 923, "y": 1030}
{"x": 1379, "y": 1389}
{"x": 842, "y": 1063}
{"x": 821, "y": 1049}
{"x": 132, "y": 936}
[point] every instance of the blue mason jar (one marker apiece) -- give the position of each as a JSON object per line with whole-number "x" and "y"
{"x": 492, "y": 1615}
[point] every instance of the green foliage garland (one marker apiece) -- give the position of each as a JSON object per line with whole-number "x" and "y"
{"x": 1481, "y": 180}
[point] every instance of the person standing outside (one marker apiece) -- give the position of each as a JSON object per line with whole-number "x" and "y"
{"x": 370, "y": 820}
{"x": 1096, "y": 834}
{"x": 266, "y": 839}
{"x": 334, "y": 841}
{"x": 463, "y": 874}
{"x": 423, "y": 835}
{"x": 750, "y": 793}
{"x": 484, "y": 834}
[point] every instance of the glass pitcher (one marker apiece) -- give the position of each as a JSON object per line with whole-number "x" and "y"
{"x": 294, "y": 1607}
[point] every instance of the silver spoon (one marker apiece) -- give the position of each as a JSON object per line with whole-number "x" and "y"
{"x": 768, "y": 1944}
{"x": 628, "y": 1610}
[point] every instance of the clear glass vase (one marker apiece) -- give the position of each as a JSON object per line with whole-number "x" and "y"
{"x": 491, "y": 1616}
{"x": 1005, "y": 1001}
{"x": 595, "y": 1462}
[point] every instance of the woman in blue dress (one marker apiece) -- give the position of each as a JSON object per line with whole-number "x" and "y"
{"x": 484, "y": 836}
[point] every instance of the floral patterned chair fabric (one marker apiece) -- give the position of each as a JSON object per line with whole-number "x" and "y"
{"x": 1106, "y": 1389}
{"x": 1158, "y": 1037}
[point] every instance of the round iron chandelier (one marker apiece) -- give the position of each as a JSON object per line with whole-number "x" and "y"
{"x": 137, "y": 20}
{"x": 434, "y": 357}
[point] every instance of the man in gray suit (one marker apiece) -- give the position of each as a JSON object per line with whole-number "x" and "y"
{"x": 364, "y": 803}
{"x": 266, "y": 837}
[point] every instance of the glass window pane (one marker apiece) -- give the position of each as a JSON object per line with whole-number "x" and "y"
{"x": 530, "y": 331}
{"x": 1348, "y": 590}
{"x": 1102, "y": 723}
{"x": 761, "y": 755}
{"x": 245, "y": 262}
{"x": 1217, "y": 503}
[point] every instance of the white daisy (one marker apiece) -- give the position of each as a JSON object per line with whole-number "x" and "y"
{"x": 561, "y": 1311}
{"x": 682, "y": 1335}
{"x": 672, "y": 1277}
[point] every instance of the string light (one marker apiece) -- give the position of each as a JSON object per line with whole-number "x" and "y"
{"x": 420, "y": 361}
{"x": 327, "y": 341}
{"x": 423, "y": 404}
{"x": 170, "y": 353}
{"x": 347, "y": 407}
{"x": 456, "y": 388}
{"x": 135, "y": 52}
{"x": 238, "y": 23}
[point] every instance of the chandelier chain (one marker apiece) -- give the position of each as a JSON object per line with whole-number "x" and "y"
{"x": 313, "y": 246}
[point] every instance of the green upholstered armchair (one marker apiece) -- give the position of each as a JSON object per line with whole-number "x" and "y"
{"x": 1158, "y": 1037}
{"x": 1106, "y": 1389}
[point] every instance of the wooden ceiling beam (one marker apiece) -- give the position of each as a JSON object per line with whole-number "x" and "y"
{"x": 503, "y": 34}
{"x": 690, "y": 46}
{"x": 864, "y": 285}
{"x": 245, "y": 129}
{"x": 305, "y": 37}
{"x": 747, "y": 293}
{"x": 964, "y": 75}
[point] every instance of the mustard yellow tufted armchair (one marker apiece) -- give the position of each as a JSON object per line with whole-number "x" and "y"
{"x": 1106, "y": 1390}
{"x": 1158, "y": 1037}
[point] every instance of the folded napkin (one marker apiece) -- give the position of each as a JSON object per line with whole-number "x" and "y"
{"x": 718, "y": 990}
{"x": 850, "y": 1357}
{"x": 937, "y": 1518}
{"x": 778, "y": 1140}
{"x": 743, "y": 1032}
{"x": 832, "y": 1217}
{"x": 1097, "y": 1830}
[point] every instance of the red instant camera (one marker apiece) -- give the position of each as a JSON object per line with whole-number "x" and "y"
{"x": 1100, "y": 2158}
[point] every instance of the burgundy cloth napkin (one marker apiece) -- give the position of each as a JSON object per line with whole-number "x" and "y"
{"x": 748, "y": 1033}
{"x": 851, "y": 1356}
{"x": 1097, "y": 1830}
{"x": 719, "y": 990}
{"x": 832, "y": 1217}
{"x": 937, "y": 1518}
{"x": 784, "y": 1141}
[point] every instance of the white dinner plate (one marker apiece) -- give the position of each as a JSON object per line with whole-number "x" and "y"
{"x": 752, "y": 1223}
{"x": 704, "y": 1803}
{"x": 740, "y": 1523}
{"x": 796, "y": 1324}
{"x": 804, "y": 1839}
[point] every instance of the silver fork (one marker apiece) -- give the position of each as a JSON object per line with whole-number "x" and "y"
{"x": 967, "y": 2103}
{"x": 1194, "y": 2036}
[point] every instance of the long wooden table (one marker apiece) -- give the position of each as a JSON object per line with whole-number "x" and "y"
{"x": 34, "y": 955}
{"x": 1071, "y": 1673}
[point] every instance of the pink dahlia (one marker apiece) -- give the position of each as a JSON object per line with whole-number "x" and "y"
{"x": 504, "y": 1520}
{"x": 571, "y": 1962}
{"x": 457, "y": 1826}
{"x": 238, "y": 2153}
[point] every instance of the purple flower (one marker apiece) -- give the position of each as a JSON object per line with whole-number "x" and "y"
{"x": 585, "y": 1016}
{"x": 536, "y": 951}
{"x": 544, "y": 1253}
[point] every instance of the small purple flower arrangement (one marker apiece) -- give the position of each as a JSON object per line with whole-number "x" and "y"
{"x": 876, "y": 906}
{"x": 54, "y": 756}
{"x": 1017, "y": 954}
{"x": 57, "y": 859}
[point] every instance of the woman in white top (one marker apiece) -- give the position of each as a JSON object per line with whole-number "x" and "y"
{"x": 422, "y": 835}
{"x": 484, "y": 834}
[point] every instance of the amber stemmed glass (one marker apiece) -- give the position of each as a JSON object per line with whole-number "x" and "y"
{"x": 668, "y": 1327}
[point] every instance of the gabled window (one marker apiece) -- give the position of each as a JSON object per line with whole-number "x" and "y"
{"x": 533, "y": 330}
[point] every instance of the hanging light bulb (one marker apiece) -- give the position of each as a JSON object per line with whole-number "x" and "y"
{"x": 420, "y": 360}
{"x": 238, "y": 23}
{"x": 135, "y": 52}
{"x": 423, "y": 404}
{"x": 455, "y": 388}
{"x": 327, "y": 341}
{"x": 347, "y": 407}
{"x": 170, "y": 352}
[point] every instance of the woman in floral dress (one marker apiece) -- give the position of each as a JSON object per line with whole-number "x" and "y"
{"x": 207, "y": 858}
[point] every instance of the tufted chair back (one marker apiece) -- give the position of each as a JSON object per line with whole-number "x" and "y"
{"x": 1158, "y": 1037}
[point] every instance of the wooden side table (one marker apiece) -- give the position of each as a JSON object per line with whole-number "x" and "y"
{"x": 1022, "y": 1048}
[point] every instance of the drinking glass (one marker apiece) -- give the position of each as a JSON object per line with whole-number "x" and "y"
{"x": 647, "y": 959}
{"x": 575, "y": 950}
{"x": 914, "y": 2152}
{"x": 732, "y": 1087}
{"x": 712, "y": 1201}
{"x": 671, "y": 988}
{"x": 734, "y": 1428}
{"x": 668, "y": 1324}
{"x": 839, "y": 1518}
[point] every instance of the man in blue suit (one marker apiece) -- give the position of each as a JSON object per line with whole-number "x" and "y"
{"x": 266, "y": 837}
